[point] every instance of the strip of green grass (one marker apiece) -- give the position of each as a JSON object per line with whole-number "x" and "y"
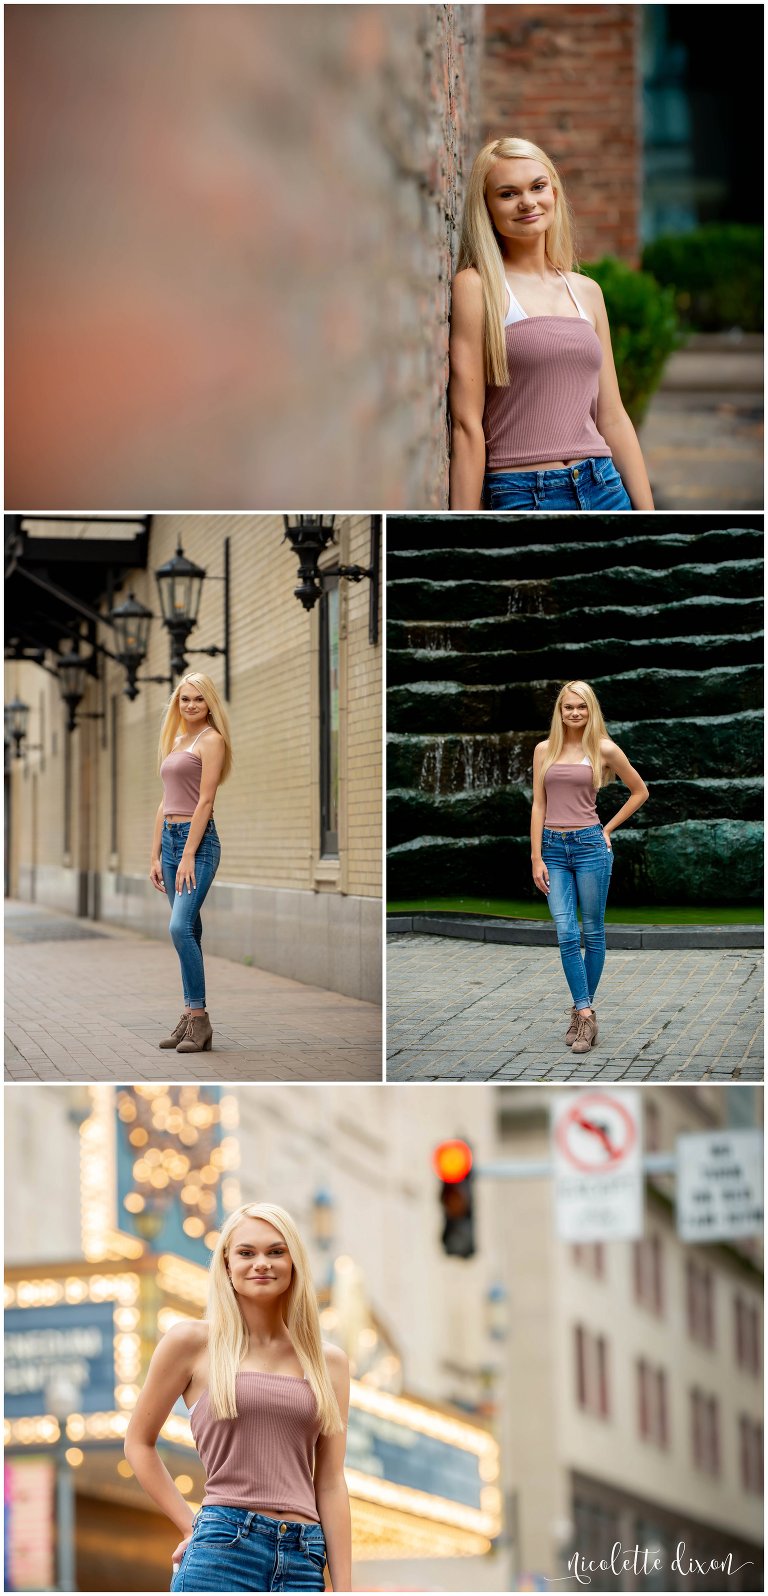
{"x": 664, "y": 914}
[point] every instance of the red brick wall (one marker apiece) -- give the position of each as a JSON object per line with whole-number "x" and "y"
{"x": 231, "y": 231}
{"x": 568, "y": 78}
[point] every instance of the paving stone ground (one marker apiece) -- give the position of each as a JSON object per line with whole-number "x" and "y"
{"x": 89, "y": 1002}
{"x": 471, "y": 1011}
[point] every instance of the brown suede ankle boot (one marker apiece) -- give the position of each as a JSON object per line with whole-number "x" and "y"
{"x": 179, "y": 1033}
{"x": 198, "y": 1036}
{"x": 586, "y": 1036}
{"x": 573, "y": 1028}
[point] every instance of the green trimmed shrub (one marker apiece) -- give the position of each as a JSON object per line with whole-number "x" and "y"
{"x": 644, "y": 329}
{"x": 716, "y": 274}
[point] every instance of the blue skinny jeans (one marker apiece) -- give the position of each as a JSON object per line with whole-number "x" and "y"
{"x": 234, "y": 1549}
{"x": 589, "y": 485}
{"x": 579, "y": 865}
{"x": 186, "y": 925}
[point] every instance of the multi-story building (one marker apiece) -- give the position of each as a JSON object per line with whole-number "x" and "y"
{"x": 299, "y": 887}
{"x": 634, "y": 1371}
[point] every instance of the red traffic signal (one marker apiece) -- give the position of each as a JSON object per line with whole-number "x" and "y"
{"x": 452, "y": 1161}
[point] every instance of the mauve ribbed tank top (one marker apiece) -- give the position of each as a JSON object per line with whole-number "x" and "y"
{"x": 264, "y": 1458}
{"x": 549, "y": 409}
{"x": 570, "y": 797}
{"x": 180, "y": 774}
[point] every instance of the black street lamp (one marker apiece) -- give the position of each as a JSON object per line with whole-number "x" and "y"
{"x": 130, "y": 621}
{"x": 179, "y": 583}
{"x": 309, "y": 534}
{"x": 71, "y": 672}
{"x": 16, "y": 716}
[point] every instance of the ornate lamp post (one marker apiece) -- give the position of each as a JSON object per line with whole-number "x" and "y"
{"x": 130, "y": 621}
{"x": 62, "y": 1397}
{"x": 16, "y": 720}
{"x": 71, "y": 673}
{"x": 179, "y": 583}
{"x": 309, "y": 533}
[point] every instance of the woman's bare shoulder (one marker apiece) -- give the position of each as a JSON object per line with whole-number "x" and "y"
{"x": 541, "y": 747}
{"x": 589, "y": 290}
{"x": 467, "y": 285}
{"x": 187, "y": 1338}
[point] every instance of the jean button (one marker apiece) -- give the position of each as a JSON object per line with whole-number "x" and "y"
{"x": 282, "y": 1529}
{"x": 575, "y": 476}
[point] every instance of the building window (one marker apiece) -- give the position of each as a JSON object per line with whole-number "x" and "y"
{"x": 652, "y": 1127}
{"x": 751, "y": 1455}
{"x": 705, "y": 1432}
{"x": 700, "y": 1303}
{"x": 591, "y": 1360}
{"x": 648, "y": 1273}
{"x": 590, "y": 1256}
{"x": 652, "y": 1404}
{"x": 329, "y": 717}
{"x": 747, "y": 1335}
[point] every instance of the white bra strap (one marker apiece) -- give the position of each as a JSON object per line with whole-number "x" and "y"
{"x": 197, "y": 739}
{"x": 579, "y": 308}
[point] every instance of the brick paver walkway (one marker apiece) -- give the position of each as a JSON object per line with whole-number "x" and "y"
{"x": 88, "y": 1002}
{"x": 471, "y": 1011}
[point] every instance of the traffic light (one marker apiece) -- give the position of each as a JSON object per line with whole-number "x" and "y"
{"x": 452, "y": 1163}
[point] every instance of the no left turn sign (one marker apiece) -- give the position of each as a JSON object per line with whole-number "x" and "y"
{"x": 597, "y": 1157}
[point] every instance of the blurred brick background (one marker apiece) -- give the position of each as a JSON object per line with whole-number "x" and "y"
{"x": 230, "y": 240}
{"x": 568, "y": 77}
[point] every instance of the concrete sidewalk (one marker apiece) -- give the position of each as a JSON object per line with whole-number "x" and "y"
{"x": 703, "y": 435}
{"x": 84, "y": 1001}
{"x": 476, "y": 1011}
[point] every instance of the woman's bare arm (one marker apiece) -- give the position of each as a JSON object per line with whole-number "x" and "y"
{"x": 466, "y": 392}
{"x": 638, "y": 792}
{"x": 612, "y": 419}
{"x": 170, "y": 1372}
{"x": 331, "y": 1492}
{"x": 538, "y": 810}
{"x": 156, "y": 862}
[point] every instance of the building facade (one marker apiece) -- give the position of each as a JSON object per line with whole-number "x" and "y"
{"x": 299, "y": 887}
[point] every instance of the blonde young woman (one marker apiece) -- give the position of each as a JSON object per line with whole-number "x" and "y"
{"x": 195, "y": 755}
{"x": 268, "y": 1408}
{"x": 537, "y": 421}
{"x": 571, "y": 853}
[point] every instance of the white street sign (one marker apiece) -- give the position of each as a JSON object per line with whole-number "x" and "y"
{"x": 598, "y": 1167}
{"x": 720, "y": 1185}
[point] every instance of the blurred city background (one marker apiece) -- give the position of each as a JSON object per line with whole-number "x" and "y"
{"x": 103, "y": 617}
{"x": 523, "y": 1390}
{"x": 232, "y": 229}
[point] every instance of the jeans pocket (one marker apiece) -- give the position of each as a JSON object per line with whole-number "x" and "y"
{"x": 314, "y": 1549}
{"x": 510, "y": 495}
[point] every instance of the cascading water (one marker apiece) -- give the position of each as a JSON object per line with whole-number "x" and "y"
{"x": 488, "y": 616}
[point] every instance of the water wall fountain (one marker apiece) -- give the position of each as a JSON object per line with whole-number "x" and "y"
{"x": 489, "y": 616}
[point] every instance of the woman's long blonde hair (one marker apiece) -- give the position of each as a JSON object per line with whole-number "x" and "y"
{"x": 479, "y": 245}
{"x": 228, "y": 1332}
{"x": 217, "y": 716}
{"x": 593, "y": 731}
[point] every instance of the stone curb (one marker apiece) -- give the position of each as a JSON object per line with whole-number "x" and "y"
{"x": 533, "y": 933}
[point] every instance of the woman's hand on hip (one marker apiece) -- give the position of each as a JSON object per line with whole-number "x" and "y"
{"x": 541, "y": 876}
{"x": 185, "y": 875}
{"x": 607, "y": 835}
{"x": 156, "y": 875}
{"x": 179, "y": 1552}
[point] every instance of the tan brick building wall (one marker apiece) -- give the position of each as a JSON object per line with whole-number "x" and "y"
{"x": 568, "y": 77}
{"x": 275, "y": 902}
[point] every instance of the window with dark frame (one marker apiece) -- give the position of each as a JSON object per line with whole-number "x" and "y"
{"x": 329, "y": 717}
